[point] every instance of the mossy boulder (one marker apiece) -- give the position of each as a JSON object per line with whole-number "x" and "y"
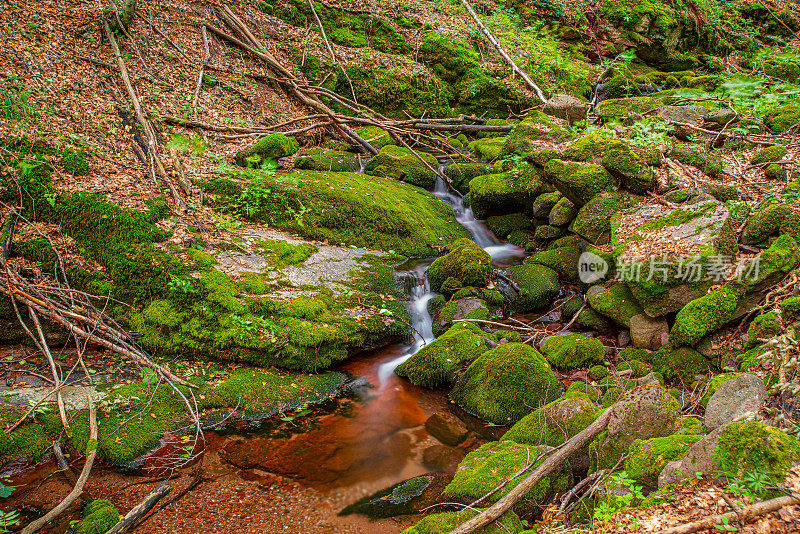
{"x": 754, "y": 447}
{"x": 466, "y": 261}
{"x": 578, "y": 182}
{"x": 506, "y": 383}
{"x": 399, "y": 163}
{"x": 769, "y": 154}
{"x": 616, "y": 108}
{"x": 647, "y": 458}
{"x": 704, "y": 315}
{"x": 563, "y": 260}
{"x": 535, "y": 127}
{"x": 402, "y": 498}
{"x": 616, "y": 302}
{"x": 645, "y": 412}
{"x": 775, "y": 171}
{"x": 773, "y": 264}
{"x": 457, "y": 309}
{"x": 562, "y": 213}
{"x": 572, "y": 351}
{"x": 538, "y": 287}
{"x": 765, "y": 221}
{"x": 593, "y": 220}
{"x": 782, "y": 119}
{"x": 322, "y": 159}
{"x": 99, "y": 516}
{"x": 437, "y": 362}
{"x": 488, "y": 148}
{"x": 544, "y": 203}
{"x": 489, "y": 466}
{"x": 589, "y": 148}
{"x": 694, "y": 156}
{"x": 682, "y": 364}
{"x": 628, "y": 167}
{"x": 462, "y": 173}
{"x": 276, "y": 145}
{"x": 762, "y": 328}
{"x": 377, "y": 137}
{"x": 636, "y": 368}
{"x": 507, "y": 192}
{"x": 503, "y": 225}
{"x": 508, "y": 523}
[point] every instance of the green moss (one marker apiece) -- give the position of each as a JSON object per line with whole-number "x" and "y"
{"x": 506, "y": 383}
{"x": 377, "y": 137}
{"x": 466, "y": 261}
{"x": 616, "y": 302}
{"x": 436, "y": 363}
{"x": 578, "y": 182}
{"x": 769, "y": 154}
{"x": 535, "y": 127}
{"x": 789, "y": 306}
{"x": 283, "y": 254}
{"x": 321, "y": 159}
{"x": 392, "y": 501}
{"x": 563, "y": 260}
{"x": 638, "y": 368}
{"x": 461, "y": 173}
{"x": 572, "y": 351}
{"x": 753, "y": 447}
{"x": 775, "y": 171}
{"x": 540, "y": 157}
{"x": 593, "y": 221}
{"x": 29, "y": 440}
{"x": 762, "y": 328}
{"x": 276, "y": 145}
{"x": 554, "y": 423}
{"x": 782, "y": 119}
{"x": 401, "y": 164}
{"x": 682, "y": 364}
{"x": 587, "y": 148}
{"x": 714, "y": 383}
{"x": 538, "y": 286}
{"x": 781, "y": 257}
{"x": 508, "y": 192}
{"x": 580, "y": 389}
{"x": 598, "y": 372}
{"x": 508, "y": 523}
{"x": 503, "y": 225}
{"x": 633, "y": 173}
{"x": 75, "y": 163}
{"x": 704, "y": 315}
{"x": 694, "y": 157}
{"x": 489, "y": 149}
{"x": 354, "y": 209}
{"x": 562, "y": 213}
{"x": 621, "y": 107}
{"x": 724, "y": 193}
{"x": 647, "y": 458}
{"x": 99, "y": 516}
{"x": 765, "y": 221}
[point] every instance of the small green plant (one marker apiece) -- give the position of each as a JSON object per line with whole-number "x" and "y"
{"x": 649, "y": 132}
{"x": 725, "y": 526}
{"x": 753, "y": 485}
{"x": 6, "y": 491}
{"x": 149, "y": 377}
{"x": 615, "y": 503}
{"x": 255, "y": 324}
{"x": 180, "y": 285}
{"x": 8, "y": 519}
{"x": 15, "y": 101}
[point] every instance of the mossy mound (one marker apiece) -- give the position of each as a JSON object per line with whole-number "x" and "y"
{"x": 765, "y": 221}
{"x": 762, "y": 328}
{"x": 616, "y": 302}
{"x": 782, "y": 119}
{"x": 353, "y": 209}
{"x": 377, "y": 137}
{"x": 615, "y": 108}
{"x": 562, "y": 213}
{"x": 704, "y": 315}
{"x": 590, "y": 147}
{"x": 593, "y": 220}
{"x": 769, "y": 154}
{"x": 563, "y": 260}
{"x": 462, "y": 173}
{"x": 466, "y": 262}
{"x": 321, "y": 159}
{"x": 631, "y": 170}
{"x": 782, "y": 256}
{"x": 535, "y": 127}
{"x": 488, "y": 148}
{"x": 695, "y": 157}
{"x": 506, "y": 383}
{"x": 754, "y": 447}
{"x": 572, "y": 351}
{"x": 682, "y": 364}
{"x": 538, "y": 286}
{"x": 508, "y": 523}
{"x": 29, "y": 440}
{"x": 492, "y": 464}
{"x": 544, "y": 204}
{"x": 436, "y": 363}
{"x": 647, "y": 458}
{"x": 99, "y": 516}
{"x": 578, "y": 182}
{"x": 74, "y": 162}
{"x": 636, "y": 368}
{"x": 554, "y": 423}
{"x": 399, "y": 163}
{"x": 503, "y": 225}
{"x": 507, "y": 192}
{"x": 276, "y": 145}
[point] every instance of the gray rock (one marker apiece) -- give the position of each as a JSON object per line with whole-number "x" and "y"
{"x": 647, "y": 332}
{"x": 721, "y": 117}
{"x": 447, "y": 428}
{"x": 688, "y": 114}
{"x": 734, "y": 400}
{"x": 699, "y": 459}
{"x": 566, "y": 107}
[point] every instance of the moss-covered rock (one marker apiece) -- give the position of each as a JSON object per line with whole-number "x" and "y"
{"x": 647, "y": 458}
{"x": 707, "y": 163}
{"x": 769, "y": 154}
{"x": 321, "y": 159}
{"x": 276, "y": 145}
{"x": 488, "y": 149}
{"x": 399, "y": 163}
{"x": 377, "y": 137}
{"x": 590, "y": 147}
{"x": 544, "y": 203}
{"x": 538, "y": 286}
{"x": 593, "y": 220}
{"x": 572, "y": 351}
{"x": 506, "y": 383}
{"x": 466, "y": 261}
{"x": 636, "y": 368}
{"x": 563, "y": 260}
{"x": 535, "y": 127}
{"x": 508, "y": 523}
{"x": 576, "y": 181}
{"x": 99, "y": 516}
{"x": 507, "y": 192}
{"x": 705, "y": 314}
{"x": 773, "y": 264}
{"x": 754, "y": 447}
{"x": 462, "y": 173}
{"x": 683, "y": 364}
{"x": 616, "y": 302}
{"x": 75, "y": 162}
{"x": 724, "y": 193}
{"x": 503, "y": 225}
{"x": 616, "y": 108}
{"x": 492, "y": 464}
{"x": 562, "y": 213}
{"x": 628, "y": 167}
{"x": 782, "y": 119}
{"x": 762, "y": 328}
{"x": 775, "y": 171}
{"x": 398, "y": 499}
{"x": 765, "y": 221}
{"x": 437, "y": 362}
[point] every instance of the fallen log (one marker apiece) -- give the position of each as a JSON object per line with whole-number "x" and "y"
{"x": 746, "y": 512}
{"x": 138, "y": 512}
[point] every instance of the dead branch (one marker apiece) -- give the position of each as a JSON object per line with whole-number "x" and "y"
{"x": 91, "y": 453}
{"x": 138, "y": 512}
{"x": 545, "y": 468}
{"x": 206, "y": 57}
{"x": 499, "y": 48}
{"x": 746, "y": 512}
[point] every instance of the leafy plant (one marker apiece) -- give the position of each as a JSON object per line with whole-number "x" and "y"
{"x": 14, "y": 101}
{"x": 180, "y": 285}
{"x": 726, "y": 526}
{"x": 6, "y": 491}
{"x": 649, "y": 132}
{"x": 149, "y": 377}
{"x": 615, "y": 503}
{"x": 8, "y": 519}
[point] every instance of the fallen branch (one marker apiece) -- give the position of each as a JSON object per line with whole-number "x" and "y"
{"x": 138, "y": 512}
{"x": 499, "y": 48}
{"x": 91, "y": 453}
{"x": 206, "y": 57}
{"x": 545, "y": 468}
{"x": 746, "y": 512}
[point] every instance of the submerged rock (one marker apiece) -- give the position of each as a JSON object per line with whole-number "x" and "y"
{"x": 407, "y": 497}
{"x": 447, "y": 428}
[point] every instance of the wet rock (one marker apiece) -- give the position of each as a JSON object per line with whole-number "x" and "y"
{"x": 442, "y": 458}
{"x": 466, "y": 262}
{"x": 538, "y": 286}
{"x": 455, "y": 310}
{"x": 401, "y": 164}
{"x": 447, "y": 428}
{"x": 566, "y": 107}
{"x": 407, "y": 497}
{"x": 734, "y": 400}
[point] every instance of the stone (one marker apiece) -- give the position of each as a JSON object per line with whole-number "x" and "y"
{"x": 579, "y": 182}
{"x": 562, "y": 213}
{"x": 721, "y": 117}
{"x": 566, "y": 107}
{"x": 447, "y": 428}
{"x": 688, "y": 114}
{"x": 399, "y": 163}
{"x": 734, "y": 400}
{"x": 648, "y": 332}
{"x": 699, "y": 459}
{"x": 442, "y": 458}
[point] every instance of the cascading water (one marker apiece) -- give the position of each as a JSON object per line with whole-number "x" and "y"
{"x": 419, "y": 291}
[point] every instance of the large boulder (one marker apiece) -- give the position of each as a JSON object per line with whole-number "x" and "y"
{"x": 566, "y": 107}
{"x": 538, "y": 286}
{"x": 705, "y": 314}
{"x": 593, "y": 220}
{"x": 735, "y": 399}
{"x": 462, "y": 173}
{"x": 276, "y": 145}
{"x": 399, "y": 163}
{"x": 506, "y": 383}
{"x": 507, "y": 192}
{"x": 629, "y": 168}
{"x": 323, "y": 159}
{"x": 447, "y": 428}
{"x": 578, "y": 182}
{"x": 466, "y": 262}
{"x": 535, "y": 127}
{"x": 572, "y": 351}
